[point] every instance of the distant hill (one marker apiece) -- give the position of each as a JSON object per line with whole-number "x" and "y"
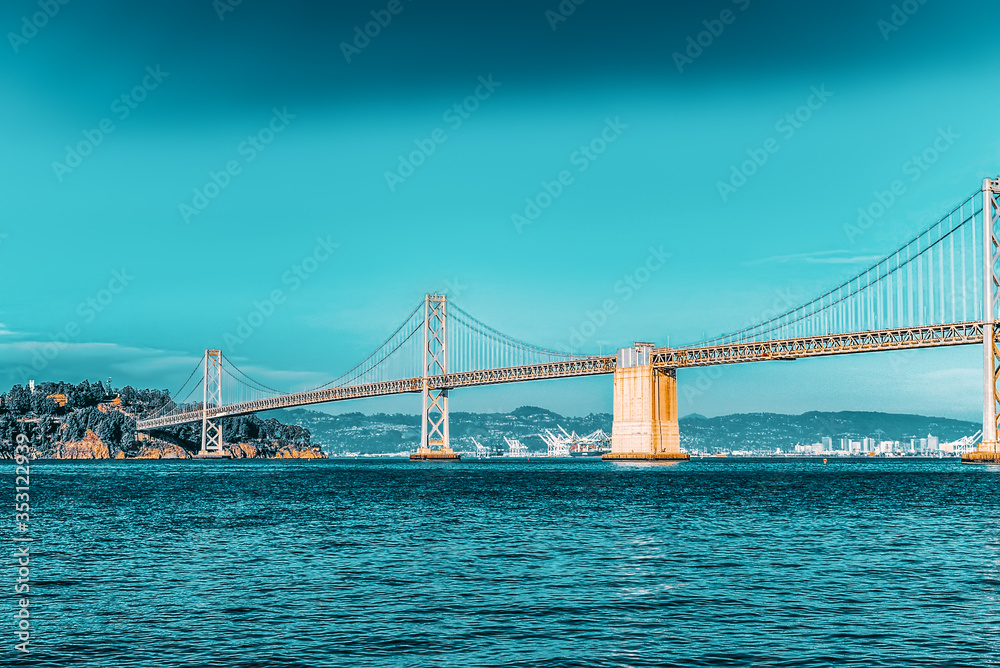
{"x": 383, "y": 433}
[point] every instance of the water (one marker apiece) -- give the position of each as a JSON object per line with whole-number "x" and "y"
{"x": 539, "y": 563}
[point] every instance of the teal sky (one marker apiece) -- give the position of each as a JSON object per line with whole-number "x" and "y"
{"x": 773, "y": 243}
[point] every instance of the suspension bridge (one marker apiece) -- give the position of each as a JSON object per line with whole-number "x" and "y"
{"x": 939, "y": 289}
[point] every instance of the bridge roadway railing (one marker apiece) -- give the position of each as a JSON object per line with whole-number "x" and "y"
{"x": 815, "y": 346}
{"x": 586, "y": 366}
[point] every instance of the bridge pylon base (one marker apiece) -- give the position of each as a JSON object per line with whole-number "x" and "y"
{"x": 442, "y": 454}
{"x": 985, "y": 453}
{"x": 645, "y": 427}
{"x": 212, "y": 455}
{"x": 643, "y": 457}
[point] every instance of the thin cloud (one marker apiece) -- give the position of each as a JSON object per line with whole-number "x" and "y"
{"x": 95, "y": 347}
{"x": 145, "y": 367}
{"x": 818, "y": 257}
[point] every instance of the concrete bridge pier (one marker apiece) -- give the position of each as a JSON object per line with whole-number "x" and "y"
{"x": 645, "y": 410}
{"x": 988, "y": 452}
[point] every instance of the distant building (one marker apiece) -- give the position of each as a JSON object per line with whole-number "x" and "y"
{"x": 827, "y": 443}
{"x": 60, "y": 399}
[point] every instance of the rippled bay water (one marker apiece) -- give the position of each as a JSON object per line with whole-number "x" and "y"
{"x": 538, "y": 563}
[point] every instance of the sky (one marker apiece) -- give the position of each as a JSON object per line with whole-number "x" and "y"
{"x": 169, "y": 165}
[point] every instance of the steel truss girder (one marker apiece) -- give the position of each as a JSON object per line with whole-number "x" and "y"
{"x": 588, "y": 366}
{"x": 815, "y": 346}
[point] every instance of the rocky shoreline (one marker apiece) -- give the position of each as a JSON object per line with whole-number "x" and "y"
{"x": 92, "y": 447}
{"x": 61, "y": 420}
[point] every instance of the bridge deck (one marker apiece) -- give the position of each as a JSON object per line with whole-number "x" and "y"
{"x": 933, "y": 336}
{"x": 731, "y": 353}
{"x": 588, "y": 366}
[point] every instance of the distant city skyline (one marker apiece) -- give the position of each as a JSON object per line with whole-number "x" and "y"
{"x": 161, "y": 184}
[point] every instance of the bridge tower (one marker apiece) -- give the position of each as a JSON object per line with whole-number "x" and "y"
{"x": 988, "y": 452}
{"x": 434, "y": 442}
{"x": 211, "y": 430}
{"x": 645, "y": 424}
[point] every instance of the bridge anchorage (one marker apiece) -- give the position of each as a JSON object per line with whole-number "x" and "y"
{"x": 939, "y": 289}
{"x": 645, "y": 426}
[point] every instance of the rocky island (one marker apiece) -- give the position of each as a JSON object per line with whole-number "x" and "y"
{"x": 93, "y": 421}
